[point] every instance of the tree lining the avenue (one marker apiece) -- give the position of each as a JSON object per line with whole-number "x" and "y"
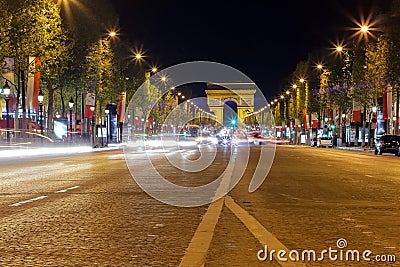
{"x": 358, "y": 73}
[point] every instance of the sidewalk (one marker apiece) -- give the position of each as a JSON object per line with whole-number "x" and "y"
{"x": 351, "y": 148}
{"x": 360, "y": 149}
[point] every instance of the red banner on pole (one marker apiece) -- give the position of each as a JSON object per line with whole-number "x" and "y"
{"x": 356, "y": 112}
{"x": 90, "y": 102}
{"x": 121, "y": 107}
{"x": 36, "y": 84}
{"x": 389, "y": 102}
{"x": 385, "y": 106}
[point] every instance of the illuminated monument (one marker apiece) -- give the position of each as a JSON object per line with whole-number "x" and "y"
{"x": 223, "y": 94}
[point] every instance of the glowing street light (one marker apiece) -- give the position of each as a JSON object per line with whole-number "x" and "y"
{"x": 112, "y": 34}
{"x": 339, "y": 48}
{"x": 40, "y": 97}
{"x": 138, "y": 56}
{"x": 6, "y": 91}
{"x": 154, "y": 69}
{"x": 302, "y": 80}
{"x": 364, "y": 29}
{"x": 294, "y": 86}
{"x": 320, "y": 66}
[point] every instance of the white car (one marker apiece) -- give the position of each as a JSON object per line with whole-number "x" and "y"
{"x": 325, "y": 142}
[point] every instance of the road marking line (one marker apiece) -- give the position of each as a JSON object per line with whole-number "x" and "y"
{"x": 42, "y": 197}
{"x": 258, "y": 230}
{"x": 360, "y": 226}
{"x": 74, "y": 187}
{"x": 61, "y": 191}
{"x": 197, "y": 251}
{"x": 28, "y": 201}
{"x": 65, "y": 190}
{"x": 370, "y": 176}
{"x": 198, "y": 247}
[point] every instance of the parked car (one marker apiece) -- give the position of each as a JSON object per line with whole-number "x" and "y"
{"x": 325, "y": 142}
{"x": 388, "y": 144}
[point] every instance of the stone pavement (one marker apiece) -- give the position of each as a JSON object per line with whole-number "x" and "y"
{"x": 94, "y": 214}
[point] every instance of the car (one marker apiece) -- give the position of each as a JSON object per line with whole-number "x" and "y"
{"x": 257, "y": 138}
{"x": 279, "y": 141}
{"x": 388, "y": 144}
{"x": 224, "y": 137}
{"x": 325, "y": 142}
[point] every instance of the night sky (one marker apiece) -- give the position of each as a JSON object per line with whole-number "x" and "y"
{"x": 263, "y": 39}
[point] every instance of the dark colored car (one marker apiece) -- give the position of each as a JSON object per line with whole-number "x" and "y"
{"x": 388, "y": 144}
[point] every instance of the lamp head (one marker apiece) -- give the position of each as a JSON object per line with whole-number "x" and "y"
{"x": 71, "y": 103}
{"x": 6, "y": 89}
{"x": 40, "y": 96}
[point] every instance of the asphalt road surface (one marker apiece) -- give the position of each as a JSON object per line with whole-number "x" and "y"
{"x": 86, "y": 210}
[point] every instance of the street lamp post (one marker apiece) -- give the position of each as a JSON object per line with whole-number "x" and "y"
{"x": 372, "y": 126}
{"x": 307, "y": 128}
{"x": 71, "y": 105}
{"x": 6, "y": 92}
{"x": 40, "y": 99}
{"x": 93, "y": 124}
{"x": 107, "y": 112}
